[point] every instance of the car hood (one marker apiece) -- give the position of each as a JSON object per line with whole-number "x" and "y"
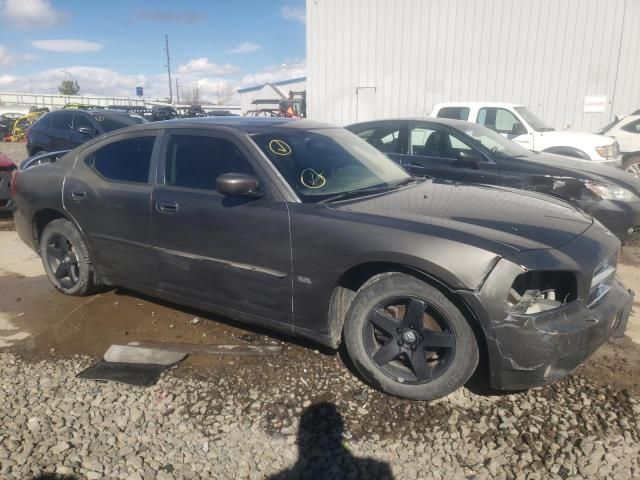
{"x": 511, "y": 219}
{"x": 562, "y": 166}
{"x": 576, "y": 138}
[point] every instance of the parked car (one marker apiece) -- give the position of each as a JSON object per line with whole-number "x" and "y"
{"x": 304, "y": 228}
{"x": 518, "y": 123}
{"x": 626, "y": 131}
{"x": 7, "y": 121}
{"x": 467, "y": 152}
{"x": 66, "y": 129}
{"x": 7, "y": 168}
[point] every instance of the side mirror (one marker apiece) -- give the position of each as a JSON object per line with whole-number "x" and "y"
{"x": 469, "y": 159}
{"x": 86, "y": 131}
{"x": 238, "y": 185}
{"x": 519, "y": 129}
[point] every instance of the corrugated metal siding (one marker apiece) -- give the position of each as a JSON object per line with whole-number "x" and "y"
{"x": 546, "y": 54}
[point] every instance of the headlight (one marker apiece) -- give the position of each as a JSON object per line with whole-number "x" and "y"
{"x": 603, "y": 277}
{"x": 608, "y": 151}
{"x": 608, "y": 191}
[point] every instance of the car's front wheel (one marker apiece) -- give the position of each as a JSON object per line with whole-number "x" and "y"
{"x": 66, "y": 259}
{"x": 408, "y": 339}
{"x": 632, "y": 166}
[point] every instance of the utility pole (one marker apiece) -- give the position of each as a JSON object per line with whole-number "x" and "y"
{"x": 168, "y": 65}
{"x": 177, "y": 92}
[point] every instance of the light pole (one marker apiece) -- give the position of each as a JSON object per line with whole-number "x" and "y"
{"x": 168, "y": 65}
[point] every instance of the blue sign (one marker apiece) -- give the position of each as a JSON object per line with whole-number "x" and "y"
{"x": 139, "y": 91}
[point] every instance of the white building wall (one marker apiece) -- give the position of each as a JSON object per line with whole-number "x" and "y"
{"x": 379, "y": 58}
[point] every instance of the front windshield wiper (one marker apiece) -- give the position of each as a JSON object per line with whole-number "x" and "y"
{"x": 371, "y": 190}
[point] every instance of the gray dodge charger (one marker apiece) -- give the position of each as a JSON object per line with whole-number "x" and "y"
{"x": 306, "y": 229}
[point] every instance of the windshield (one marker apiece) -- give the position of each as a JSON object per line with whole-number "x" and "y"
{"x": 533, "y": 121}
{"x": 319, "y": 164}
{"x": 110, "y": 121}
{"x": 494, "y": 141}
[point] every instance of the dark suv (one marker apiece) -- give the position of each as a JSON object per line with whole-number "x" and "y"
{"x": 66, "y": 129}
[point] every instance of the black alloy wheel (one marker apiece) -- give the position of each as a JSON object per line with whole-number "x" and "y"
{"x": 63, "y": 261}
{"x": 66, "y": 260}
{"x": 409, "y": 339}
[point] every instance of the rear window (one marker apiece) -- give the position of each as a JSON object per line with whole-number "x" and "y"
{"x": 110, "y": 121}
{"x": 125, "y": 160}
{"x": 455, "y": 113}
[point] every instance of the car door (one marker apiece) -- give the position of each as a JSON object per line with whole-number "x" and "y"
{"x": 435, "y": 151}
{"x": 82, "y": 130}
{"x": 507, "y": 124}
{"x": 230, "y": 252}
{"x": 60, "y": 133}
{"x": 108, "y": 193}
{"x": 388, "y": 137}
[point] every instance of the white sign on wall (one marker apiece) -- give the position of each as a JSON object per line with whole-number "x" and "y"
{"x": 595, "y": 104}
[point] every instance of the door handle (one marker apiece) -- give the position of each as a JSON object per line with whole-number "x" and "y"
{"x": 167, "y": 207}
{"x": 78, "y": 194}
{"x": 413, "y": 165}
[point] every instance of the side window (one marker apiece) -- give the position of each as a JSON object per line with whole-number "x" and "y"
{"x": 435, "y": 143}
{"x": 385, "y": 139}
{"x": 45, "y": 121}
{"x": 498, "y": 119}
{"x": 80, "y": 121}
{"x": 455, "y": 113}
{"x": 633, "y": 127}
{"x": 62, "y": 121}
{"x": 125, "y": 160}
{"x": 195, "y": 161}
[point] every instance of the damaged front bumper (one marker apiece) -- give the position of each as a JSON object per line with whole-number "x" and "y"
{"x": 527, "y": 350}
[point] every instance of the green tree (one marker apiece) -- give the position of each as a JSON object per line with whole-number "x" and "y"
{"x": 68, "y": 87}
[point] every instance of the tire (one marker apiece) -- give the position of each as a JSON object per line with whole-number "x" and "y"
{"x": 439, "y": 352}
{"x": 66, "y": 259}
{"x": 632, "y": 166}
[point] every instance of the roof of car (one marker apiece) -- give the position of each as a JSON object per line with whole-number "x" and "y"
{"x": 477, "y": 104}
{"x": 247, "y": 124}
{"x": 444, "y": 121}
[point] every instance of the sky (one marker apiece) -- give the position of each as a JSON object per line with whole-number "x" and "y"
{"x": 110, "y": 47}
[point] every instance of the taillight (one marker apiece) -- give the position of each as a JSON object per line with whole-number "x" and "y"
{"x": 13, "y": 185}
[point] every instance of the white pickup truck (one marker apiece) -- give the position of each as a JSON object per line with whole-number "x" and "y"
{"x": 626, "y": 131}
{"x": 519, "y": 124}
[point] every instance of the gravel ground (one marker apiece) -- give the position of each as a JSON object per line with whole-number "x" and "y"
{"x": 242, "y": 424}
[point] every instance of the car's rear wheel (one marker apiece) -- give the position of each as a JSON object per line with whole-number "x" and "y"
{"x": 408, "y": 339}
{"x": 66, "y": 259}
{"x": 632, "y": 166}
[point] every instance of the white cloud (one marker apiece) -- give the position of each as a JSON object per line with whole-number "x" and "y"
{"x": 9, "y": 59}
{"x": 203, "y": 65}
{"x": 104, "y": 81}
{"x": 275, "y": 73}
{"x": 30, "y": 13}
{"x": 245, "y": 47}
{"x": 67, "y": 45}
{"x": 6, "y": 58}
{"x": 296, "y": 14}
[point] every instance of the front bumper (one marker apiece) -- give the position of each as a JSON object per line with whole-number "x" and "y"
{"x": 535, "y": 349}
{"x": 615, "y": 162}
